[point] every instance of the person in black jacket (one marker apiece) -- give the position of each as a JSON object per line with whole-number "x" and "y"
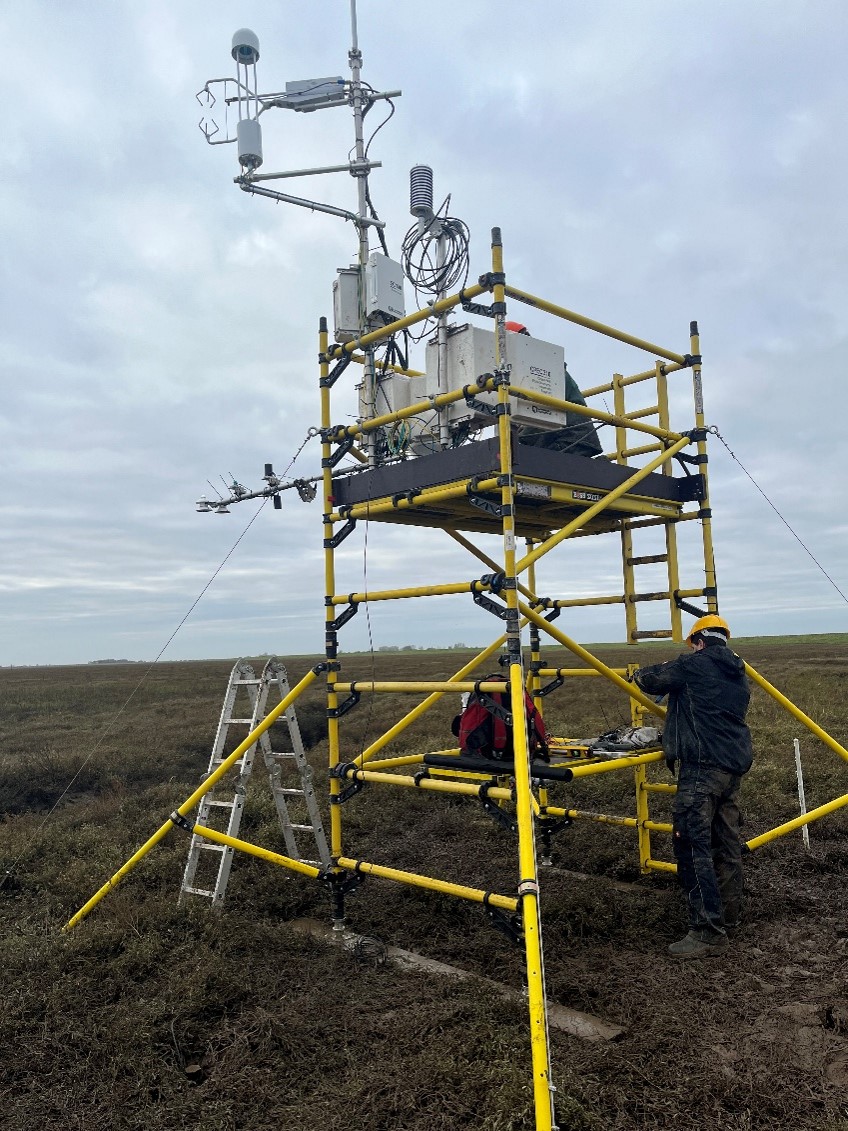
{"x": 705, "y": 732}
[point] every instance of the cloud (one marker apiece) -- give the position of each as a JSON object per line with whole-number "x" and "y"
{"x": 160, "y": 326}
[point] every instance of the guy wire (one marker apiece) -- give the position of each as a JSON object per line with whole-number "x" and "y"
{"x": 796, "y": 536}
{"x": 111, "y": 724}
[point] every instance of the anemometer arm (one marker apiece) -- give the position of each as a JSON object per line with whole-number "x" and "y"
{"x": 245, "y": 183}
{"x": 239, "y": 494}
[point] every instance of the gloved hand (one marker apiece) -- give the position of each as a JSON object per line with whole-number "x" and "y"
{"x": 671, "y": 764}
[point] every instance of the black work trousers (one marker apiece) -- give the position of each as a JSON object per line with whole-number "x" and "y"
{"x": 707, "y": 845}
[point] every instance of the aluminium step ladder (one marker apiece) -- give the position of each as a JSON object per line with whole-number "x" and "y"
{"x": 289, "y": 774}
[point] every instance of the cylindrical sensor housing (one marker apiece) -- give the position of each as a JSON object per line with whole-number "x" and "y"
{"x": 249, "y": 136}
{"x": 421, "y": 191}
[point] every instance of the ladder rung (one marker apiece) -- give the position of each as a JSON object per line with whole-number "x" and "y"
{"x": 639, "y": 413}
{"x": 199, "y": 891}
{"x": 247, "y": 722}
{"x": 220, "y": 804}
{"x": 245, "y": 682}
{"x": 212, "y": 847}
{"x": 302, "y": 828}
{"x": 282, "y": 756}
{"x": 290, "y": 791}
{"x": 643, "y": 451}
{"x": 649, "y": 559}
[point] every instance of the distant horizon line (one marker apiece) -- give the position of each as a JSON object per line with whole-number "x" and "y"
{"x": 814, "y": 637}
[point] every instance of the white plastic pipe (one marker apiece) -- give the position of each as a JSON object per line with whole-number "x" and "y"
{"x": 805, "y": 830}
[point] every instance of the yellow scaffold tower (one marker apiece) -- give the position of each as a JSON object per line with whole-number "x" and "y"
{"x": 534, "y": 499}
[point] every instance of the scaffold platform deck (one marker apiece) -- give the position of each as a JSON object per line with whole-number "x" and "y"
{"x": 459, "y": 489}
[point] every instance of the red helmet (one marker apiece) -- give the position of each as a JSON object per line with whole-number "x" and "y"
{"x": 517, "y": 328}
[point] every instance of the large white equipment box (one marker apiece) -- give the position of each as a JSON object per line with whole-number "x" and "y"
{"x": 347, "y": 316}
{"x": 535, "y": 365}
{"x": 383, "y": 288}
{"x": 392, "y": 392}
{"x": 373, "y": 297}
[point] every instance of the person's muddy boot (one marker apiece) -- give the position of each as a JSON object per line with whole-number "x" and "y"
{"x": 699, "y": 944}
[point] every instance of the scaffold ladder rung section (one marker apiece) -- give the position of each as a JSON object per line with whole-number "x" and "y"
{"x": 668, "y": 556}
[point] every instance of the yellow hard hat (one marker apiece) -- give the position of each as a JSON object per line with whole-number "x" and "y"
{"x": 709, "y": 621}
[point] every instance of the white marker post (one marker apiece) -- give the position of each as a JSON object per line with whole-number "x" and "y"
{"x": 805, "y": 829}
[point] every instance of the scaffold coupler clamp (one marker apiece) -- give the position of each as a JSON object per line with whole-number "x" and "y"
{"x": 510, "y": 925}
{"x": 686, "y": 607}
{"x": 494, "y": 582}
{"x": 342, "y": 771}
{"x": 504, "y": 819}
{"x": 548, "y": 827}
{"x": 695, "y": 434}
{"x": 341, "y": 880}
{"x": 181, "y": 822}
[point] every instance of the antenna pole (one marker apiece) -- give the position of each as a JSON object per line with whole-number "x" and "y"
{"x": 361, "y": 175}
{"x": 444, "y": 384}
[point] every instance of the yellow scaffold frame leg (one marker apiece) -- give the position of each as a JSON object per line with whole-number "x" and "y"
{"x": 528, "y": 885}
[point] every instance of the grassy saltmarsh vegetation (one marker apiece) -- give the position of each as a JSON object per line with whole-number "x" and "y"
{"x": 152, "y": 1016}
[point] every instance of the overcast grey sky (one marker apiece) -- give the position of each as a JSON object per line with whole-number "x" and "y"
{"x": 649, "y": 163}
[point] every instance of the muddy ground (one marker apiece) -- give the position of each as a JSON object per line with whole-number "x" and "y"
{"x": 152, "y": 1016}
